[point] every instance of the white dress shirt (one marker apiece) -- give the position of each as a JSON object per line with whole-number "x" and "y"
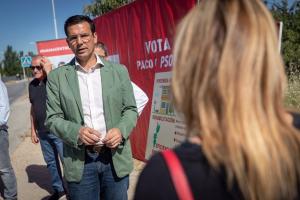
{"x": 4, "y": 104}
{"x": 90, "y": 88}
{"x": 140, "y": 96}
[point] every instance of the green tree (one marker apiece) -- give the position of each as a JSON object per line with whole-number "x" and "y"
{"x": 100, "y": 7}
{"x": 1, "y": 68}
{"x": 290, "y": 16}
{"x": 11, "y": 62}
{"x": 289, "y": 13}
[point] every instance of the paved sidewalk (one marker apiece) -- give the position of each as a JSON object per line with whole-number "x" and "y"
{"x": 32, "y": 175}
{"x": 19, "y": 121}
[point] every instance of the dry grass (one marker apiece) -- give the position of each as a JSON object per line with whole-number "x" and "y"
{"x": 292, "y": 96}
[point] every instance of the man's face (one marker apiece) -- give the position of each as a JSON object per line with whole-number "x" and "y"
{"x": 37, "y": 69}
{"x": 81, "y": 40}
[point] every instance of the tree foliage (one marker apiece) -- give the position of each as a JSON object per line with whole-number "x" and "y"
{"x": 100, "y": 7}
{"x": 290, "y": 16}
{"x": 11, "y": 62}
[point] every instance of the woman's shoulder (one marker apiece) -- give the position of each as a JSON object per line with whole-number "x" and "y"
{"x": 203, "y": 179}
{"x": 155, "y": 177}
{"x": 187, "y": 153}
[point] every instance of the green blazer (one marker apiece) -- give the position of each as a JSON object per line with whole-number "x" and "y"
{"x": 65, "y": 115}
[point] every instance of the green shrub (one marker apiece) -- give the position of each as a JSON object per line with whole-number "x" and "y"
{"x": 292, "y": 95}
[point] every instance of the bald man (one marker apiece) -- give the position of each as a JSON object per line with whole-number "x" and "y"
{"x": 51, "y": 145}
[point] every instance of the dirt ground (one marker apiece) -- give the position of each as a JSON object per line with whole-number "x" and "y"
{"x": 33, "y": 177}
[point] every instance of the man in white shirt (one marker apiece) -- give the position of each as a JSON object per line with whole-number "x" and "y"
{"x": 7, "y": 174}
{"x": 140, "y": 96}
{"x": 91, "y": 107}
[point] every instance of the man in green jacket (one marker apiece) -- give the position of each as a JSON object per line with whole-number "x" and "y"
{"x": 91, "y": 107}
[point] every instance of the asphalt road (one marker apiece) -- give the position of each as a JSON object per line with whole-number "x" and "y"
{"x": 19, "y": 121}
{"x": 16, "y": 89}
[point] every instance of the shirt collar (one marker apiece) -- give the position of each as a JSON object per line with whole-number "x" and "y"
{"x": 40, "y": 82}
{"x": 98, "y": 65}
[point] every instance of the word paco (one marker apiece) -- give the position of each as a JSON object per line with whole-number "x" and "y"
{"x": 144, "y": 64}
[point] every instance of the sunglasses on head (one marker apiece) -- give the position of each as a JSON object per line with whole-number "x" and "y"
{"x": 36, "y": 67}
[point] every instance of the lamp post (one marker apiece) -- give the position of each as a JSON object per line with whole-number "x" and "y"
{"x": 1, "y": 70}
{"x": 54, "y": 19}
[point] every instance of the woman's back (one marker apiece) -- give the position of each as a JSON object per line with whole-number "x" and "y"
{"x": 228, "y": 83}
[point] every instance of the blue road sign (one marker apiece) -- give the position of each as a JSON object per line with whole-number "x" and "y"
{"x": 26, "y": 61}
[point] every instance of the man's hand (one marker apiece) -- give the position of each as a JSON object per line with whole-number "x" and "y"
{"x": 46, "y": 64}
{"x": 113, "y": 138}
{"x": 34, "y": 137}
{"x": 89, "y": 136}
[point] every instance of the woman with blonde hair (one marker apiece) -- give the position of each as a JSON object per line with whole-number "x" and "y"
{"x": 228, "y": 82}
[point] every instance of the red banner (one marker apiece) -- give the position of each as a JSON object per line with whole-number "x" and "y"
{"x": 53, "y": 47}
{"x": 57, "y": 51}
{"x": 140, "y": 36}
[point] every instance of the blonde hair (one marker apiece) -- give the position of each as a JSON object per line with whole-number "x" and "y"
{"x": 228, "y": 81}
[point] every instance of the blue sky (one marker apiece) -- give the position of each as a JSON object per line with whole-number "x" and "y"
{"x": 25, "y": 22}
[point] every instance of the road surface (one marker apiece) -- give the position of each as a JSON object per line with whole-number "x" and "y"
{"x": 19, "y": 121}
{"x": 16, "y": 90}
